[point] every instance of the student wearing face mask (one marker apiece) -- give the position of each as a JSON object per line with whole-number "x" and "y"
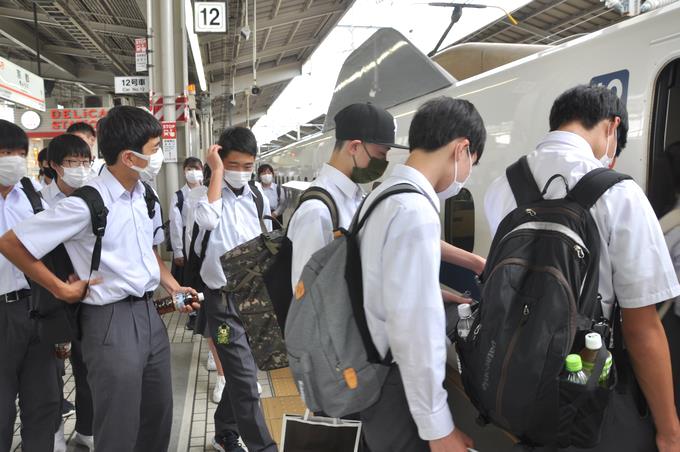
{"x": 588, "y": 124}
{"x": 179, "y": 211}
{"x": 70, "y": 158}
{"x": 45, "y": 174}
{"x": 364, "y": 133}
{"x": 400, "y": 254}
{"x": 27, "y": 362}
{"x": 231, "y": 216}
{"x": 124, "y": 341}
{"x": 273, "y": 191}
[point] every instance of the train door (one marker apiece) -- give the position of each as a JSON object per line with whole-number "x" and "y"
{"x": 664, "y": 153}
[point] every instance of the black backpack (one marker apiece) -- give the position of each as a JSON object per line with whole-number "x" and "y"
{"x": 277, "y": 277}
{"x": 539, "y": 299}
{"x": 191, "y": 276}
{"x": 166, "y": 225}
{"x": 58, "y": 319}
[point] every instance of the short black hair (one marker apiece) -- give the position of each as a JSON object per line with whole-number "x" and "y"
{"x": 441, "y": 120}
{"x": 42, "y": 156}
{"x": 238, "y": 139}
{"x": 12, "y": 136}
{"x": 207, "y": 174}
{"x": 588, "y": 105}
{"x": 264, "y": 167}
{"x": 67, "y": 145}
{"x": 82, "y": 127}
{"x": 192, "y": 161}
{"x": 339, "y": 144}
{"x": 125, "y": 128}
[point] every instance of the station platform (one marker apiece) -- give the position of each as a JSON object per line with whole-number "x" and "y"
{"x": 193, "y": 424}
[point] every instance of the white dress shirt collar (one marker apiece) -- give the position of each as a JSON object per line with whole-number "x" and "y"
{"x": 343, "y": 183}
{"x": 568, "y": 142}
{"x": 115, "y": 188}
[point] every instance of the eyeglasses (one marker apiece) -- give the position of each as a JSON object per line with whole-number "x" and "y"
{"x": 69, "y": 163}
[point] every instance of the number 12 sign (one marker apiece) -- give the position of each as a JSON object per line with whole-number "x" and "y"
{"x": 210, "y": 17}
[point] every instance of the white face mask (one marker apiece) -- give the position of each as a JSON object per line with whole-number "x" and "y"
{"x": 12, "y": 169}
{"x": 455, "y": 187}
{"x": 606, "y": 160}
{"x": 194, "y": 176}
{"x": 153, "y": 168}
{"x": 267, "y": 178}
{"x": 76, "y": 177}
{"x": 236, "y": 179}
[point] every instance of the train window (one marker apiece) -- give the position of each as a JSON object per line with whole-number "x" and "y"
{"x": 459, "y": 220}
{"x": 665, "y": 136}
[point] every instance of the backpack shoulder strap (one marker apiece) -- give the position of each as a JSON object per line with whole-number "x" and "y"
{"x": 33, "y": 196}
{"x": 98, "y": 214}
{"x": 259, "y": 204}
{"x": 359, "y": 220}
{"x": 594, "y": 184}
{"x": 180, "y": 200}
{"x": 321, "y": 194}
{"x": 151, "y": 199}
{"x": 522, "y": 182}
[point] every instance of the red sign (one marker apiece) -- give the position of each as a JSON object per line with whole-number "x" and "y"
{"x": 140, "y": 45}
{"x": 169, "y": 130}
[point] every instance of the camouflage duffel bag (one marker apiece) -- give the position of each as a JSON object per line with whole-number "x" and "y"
{"x": 243, "y": 267}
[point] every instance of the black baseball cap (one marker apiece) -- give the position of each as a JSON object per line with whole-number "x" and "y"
{"x": 366, "y": 122}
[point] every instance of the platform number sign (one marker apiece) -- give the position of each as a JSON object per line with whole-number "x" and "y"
{"x": 210, "y": 17}
{"x": 616, "y": 81}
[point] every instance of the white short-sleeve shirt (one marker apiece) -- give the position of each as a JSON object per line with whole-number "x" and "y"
{"x": 128, "y": 263}
{"x": 13, "y": 210}
{"x": 311, "y": 228}
{"x": 634, "y": 262}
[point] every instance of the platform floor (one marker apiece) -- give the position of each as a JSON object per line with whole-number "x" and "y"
{"x": 193, "y": 409}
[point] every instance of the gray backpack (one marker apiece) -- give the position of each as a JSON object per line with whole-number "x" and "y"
{"x": 335, "y": 364}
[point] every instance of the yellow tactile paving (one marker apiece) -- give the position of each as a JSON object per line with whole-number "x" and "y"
{"x": 281, "y": 374}
{"x": 284, "y": 387}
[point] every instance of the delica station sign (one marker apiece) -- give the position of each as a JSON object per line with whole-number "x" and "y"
{"x": 55, "y": 121}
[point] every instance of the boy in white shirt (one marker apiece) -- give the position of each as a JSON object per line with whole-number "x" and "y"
{"x": 400, "y": 255}
{"x": 230, "y": 215}
{"x": 589, "y": 126}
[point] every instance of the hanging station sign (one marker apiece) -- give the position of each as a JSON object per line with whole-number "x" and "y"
{"x": 20, "y": 86}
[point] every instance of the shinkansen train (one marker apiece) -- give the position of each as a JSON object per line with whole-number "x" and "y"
{"x": 513, "y": 87}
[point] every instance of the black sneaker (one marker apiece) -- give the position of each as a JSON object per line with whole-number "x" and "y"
{"x": 67, "y": 409}
{"x": 190, "y": 323}
{"x": 227, "y": 442}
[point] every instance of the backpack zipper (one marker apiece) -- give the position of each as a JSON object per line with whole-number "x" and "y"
{"x": 525, "y": 315}
{"x": 533, "y": 211}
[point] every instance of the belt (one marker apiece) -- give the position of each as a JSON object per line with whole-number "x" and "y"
{"x": 146, "y": 297}
{"x": 12, "y": 297}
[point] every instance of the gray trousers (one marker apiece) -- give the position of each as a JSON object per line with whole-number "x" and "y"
{"x": 388, "y": 425}
{"x": 84, "y": 412}
{"x": 28, "y": 369}
{"x": 239, "y": 410}
{"x": 127, "y": 354}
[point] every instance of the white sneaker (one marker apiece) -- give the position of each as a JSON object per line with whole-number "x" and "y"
{"x": 259, "y": 388}
{"x": 84, "y": 440}
{"x": 210, "y": 364}
{"x": 59, "y": 440}
{"x": 219, "y": 389}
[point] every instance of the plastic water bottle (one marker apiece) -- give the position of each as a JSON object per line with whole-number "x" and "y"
{"x": 464, "y": 320}
{"x": 575, "y": 370}
{"x": 176, "y": 303}
{"x": 464, "y": 326}
{"x": 589, "y": 353}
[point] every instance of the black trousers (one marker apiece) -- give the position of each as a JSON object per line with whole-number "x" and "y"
{"x": 239, "y": 410}
{"x": 28, "y": 370}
